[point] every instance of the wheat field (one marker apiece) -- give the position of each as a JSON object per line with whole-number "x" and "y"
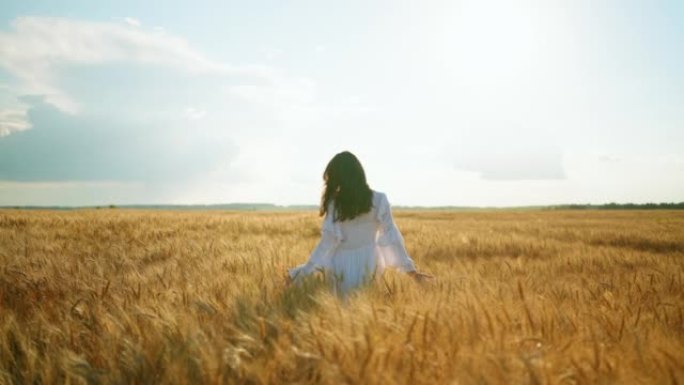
{"x": 161, "y": 297}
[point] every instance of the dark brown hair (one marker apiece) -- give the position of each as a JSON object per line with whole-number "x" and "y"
{"x": 346, "y": 187}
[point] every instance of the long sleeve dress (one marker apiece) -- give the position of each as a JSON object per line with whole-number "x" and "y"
{"x": 353, "y": 251}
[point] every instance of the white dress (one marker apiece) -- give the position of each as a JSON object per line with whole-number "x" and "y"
{"x": 353, "y": 251}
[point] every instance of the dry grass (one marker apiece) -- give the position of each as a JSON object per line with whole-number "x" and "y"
{"x": 133, "y": 297}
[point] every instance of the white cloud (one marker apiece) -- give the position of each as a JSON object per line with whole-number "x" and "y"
{"x": 609, "y": 158}
{"x": 646, "y": 177}
{"x": 193, "y": 113}
{"x": 300, "y": 92}
{"x": 515, "y": 164}
{"x": 296, "y": 100}
{"x": 37, "y": 48}
{"x": 13, "y": 120}
{"x": 132, "y": 21}
{"x": 272, "y": 53}
{"x": 289, "y": 99}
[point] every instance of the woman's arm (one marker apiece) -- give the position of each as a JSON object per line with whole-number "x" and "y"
{"x": 320, "y": 257}
{"x": 391, "y": 242}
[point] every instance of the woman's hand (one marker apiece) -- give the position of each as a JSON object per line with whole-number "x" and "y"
{"x": 287, "y": 278}
{"x": 420, "y": 277}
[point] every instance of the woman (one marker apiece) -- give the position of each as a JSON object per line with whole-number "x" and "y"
{"x": 359, "y": 238}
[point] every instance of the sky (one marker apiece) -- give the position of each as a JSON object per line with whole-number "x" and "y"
{"x": 459, "y": 102}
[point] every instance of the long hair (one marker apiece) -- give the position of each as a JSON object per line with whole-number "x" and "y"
{"x": 346, "y": 187}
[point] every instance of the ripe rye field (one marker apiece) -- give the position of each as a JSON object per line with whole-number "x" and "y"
{"x": 528, "y": 297}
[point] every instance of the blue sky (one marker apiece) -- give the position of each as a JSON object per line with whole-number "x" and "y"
{"x": 486, "y": 102}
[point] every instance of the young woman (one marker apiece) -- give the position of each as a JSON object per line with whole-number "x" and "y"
{"x": 359, "y": 238}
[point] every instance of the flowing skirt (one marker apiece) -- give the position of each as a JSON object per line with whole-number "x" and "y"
{"x": 352, "y": 268}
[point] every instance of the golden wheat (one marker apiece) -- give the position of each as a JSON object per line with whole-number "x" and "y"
{"x": 142, "y": 297}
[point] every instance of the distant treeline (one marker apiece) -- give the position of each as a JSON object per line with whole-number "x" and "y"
{"x": 181, "y": 207}
{"x": 620, "y": 206}
{"x": 273, "y": 207}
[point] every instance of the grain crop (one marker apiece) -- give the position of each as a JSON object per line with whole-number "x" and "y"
{"x": 118, "y": 296}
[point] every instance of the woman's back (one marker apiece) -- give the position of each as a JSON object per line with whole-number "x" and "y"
{"x": 359, "y": 232}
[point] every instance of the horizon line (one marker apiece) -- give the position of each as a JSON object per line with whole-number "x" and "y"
{"x": 265, "y": 206}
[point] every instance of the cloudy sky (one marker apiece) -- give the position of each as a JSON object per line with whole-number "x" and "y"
{"x": 454, "y": 102}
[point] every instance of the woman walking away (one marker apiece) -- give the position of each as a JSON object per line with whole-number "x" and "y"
{"x": 359, "y": 238}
